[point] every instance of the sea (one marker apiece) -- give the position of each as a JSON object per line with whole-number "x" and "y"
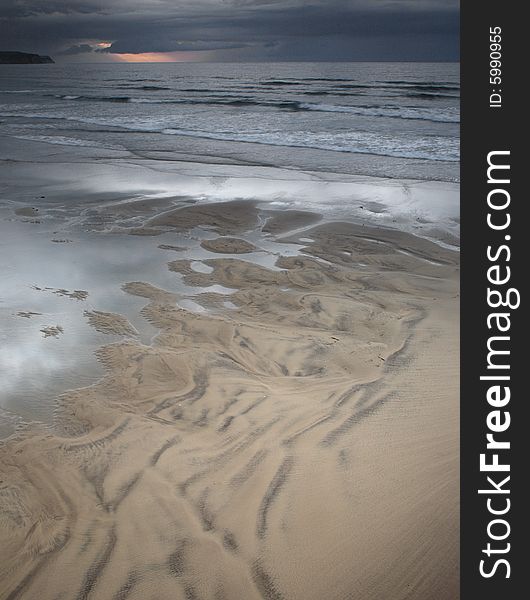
{"x": 398, "y": 120}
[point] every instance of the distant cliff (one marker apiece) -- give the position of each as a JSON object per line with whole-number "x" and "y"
{"x": 23, "y": 58}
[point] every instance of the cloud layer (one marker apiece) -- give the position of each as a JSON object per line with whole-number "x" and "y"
{"x": 240, "y": 30}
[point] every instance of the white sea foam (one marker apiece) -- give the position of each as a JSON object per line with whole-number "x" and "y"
{"x": 61, "y": 140}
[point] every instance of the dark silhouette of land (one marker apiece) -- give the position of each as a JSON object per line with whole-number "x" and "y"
{"x": 23, "y": 58}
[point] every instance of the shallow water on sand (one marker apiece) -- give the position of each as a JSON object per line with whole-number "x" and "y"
{"x": 47, "y": 284}
{"x": 53, "y": 278}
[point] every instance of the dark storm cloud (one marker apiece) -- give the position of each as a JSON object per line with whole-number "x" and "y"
{"x": 238, "y": 29}
{"x": 78, "y": 49}
{"x": 147, "y": 44}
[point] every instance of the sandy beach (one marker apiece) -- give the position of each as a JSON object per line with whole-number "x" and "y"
{"x": 291, "y": 433}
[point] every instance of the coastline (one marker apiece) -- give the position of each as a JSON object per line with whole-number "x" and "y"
{"x": 278, "y": 446}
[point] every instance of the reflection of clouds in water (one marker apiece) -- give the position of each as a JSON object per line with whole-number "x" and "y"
{"x": 336, "y": 196}
{"x": 36, "y": 369}
{"x": 200, "y": 267}
{"x": 190, "y": 305}
{"x": 339, "y": 198}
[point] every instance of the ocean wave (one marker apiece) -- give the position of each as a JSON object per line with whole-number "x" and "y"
{"x": 18, "y": 91}
{"x": 433, "y": 88}
{"x": 440, "y": 115}
{"x": 131, "y": 79}
{"x": 61, "y": 140}
{"x": 331, "y": 79}
{"x": 429, "y": 95}
{"x": 431, "y": 148}
{"x": 147, "y": 88}
{"x": 280, "y": 82}
{"x": 407, "y": 91}
{"x": 434, "y": 84}
{"x": 86, "y": 98}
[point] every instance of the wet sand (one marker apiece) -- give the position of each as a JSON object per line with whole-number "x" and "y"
{"x": 302, "y": 444}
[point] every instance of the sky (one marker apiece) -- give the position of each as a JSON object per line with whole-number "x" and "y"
{"x": 232, "y": 30}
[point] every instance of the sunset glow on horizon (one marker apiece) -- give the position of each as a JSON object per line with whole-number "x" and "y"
{"x": 157, "y": 57}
